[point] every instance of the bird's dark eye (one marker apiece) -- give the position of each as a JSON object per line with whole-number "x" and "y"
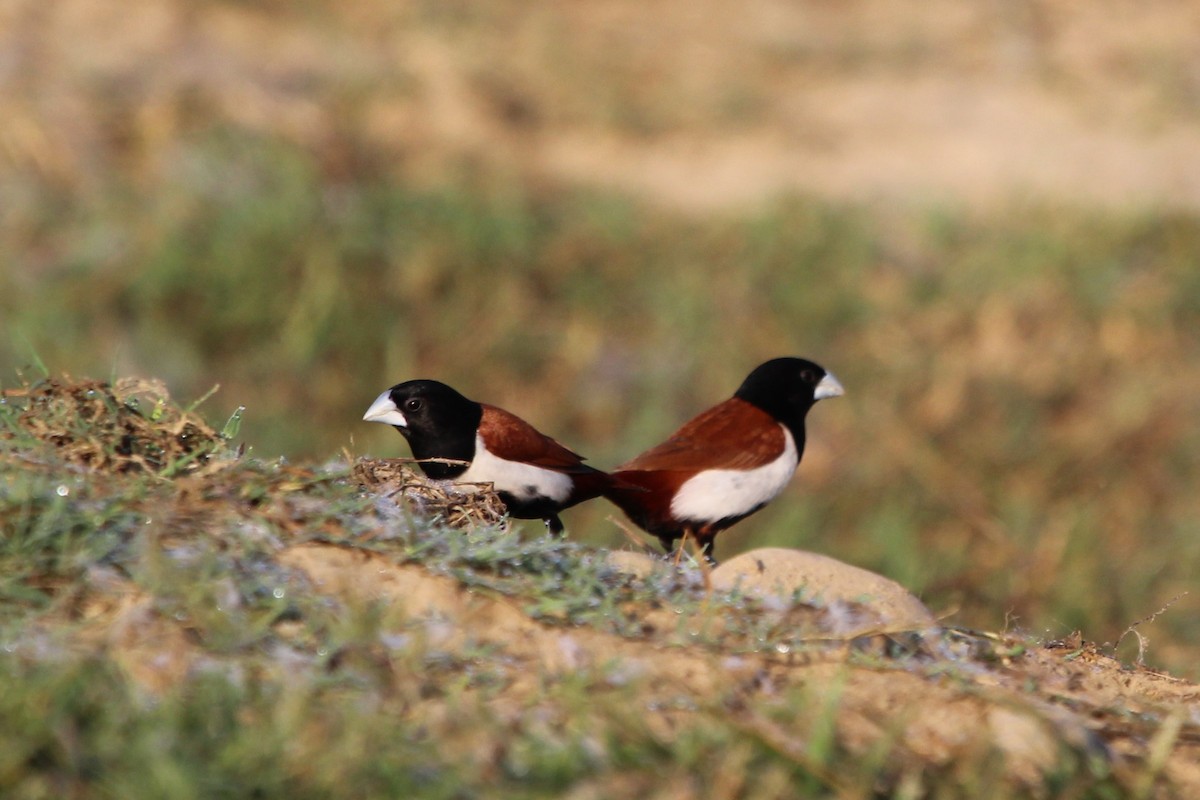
{"x": 808, "y": 376}
{"x": 412, "y": 404}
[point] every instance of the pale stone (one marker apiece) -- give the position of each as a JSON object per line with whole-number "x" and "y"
{"x": 782, "y": 571}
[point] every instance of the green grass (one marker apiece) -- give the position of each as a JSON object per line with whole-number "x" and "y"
{"x": 1018, "y": 435}
{"x": 85, "y": 733}
{"x": 153, "y": 642}
{"x": 1017, "y": 444}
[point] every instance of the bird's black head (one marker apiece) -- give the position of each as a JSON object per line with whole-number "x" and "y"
{"x": 786, "y": 388}
{"x": 437, "y": 421}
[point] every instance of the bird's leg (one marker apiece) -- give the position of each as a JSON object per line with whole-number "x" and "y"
{"x": 706, "y": 549}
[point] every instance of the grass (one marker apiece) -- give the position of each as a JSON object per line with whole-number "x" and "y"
{"x": 305, "y": 740}
{"x": 157, "y": 638}
{"x": 1017, "y": 444}
{"x": 1017, "y": 437}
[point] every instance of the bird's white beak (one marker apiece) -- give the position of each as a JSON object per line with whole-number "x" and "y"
{"x": 828, "y": 387}
{"x": 385, "y": 411}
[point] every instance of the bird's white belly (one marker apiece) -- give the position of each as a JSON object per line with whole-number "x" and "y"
{"x": 722, "y": 493}
{"x": 522, "y": 481}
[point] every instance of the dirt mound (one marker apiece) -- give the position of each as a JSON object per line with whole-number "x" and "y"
{"x": 933, "y": 700}
{"x": 292, "y": 573}
{"x": 1034, "y": 705}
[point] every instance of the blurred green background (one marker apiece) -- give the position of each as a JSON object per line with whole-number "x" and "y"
{"x": 981, "y": 217}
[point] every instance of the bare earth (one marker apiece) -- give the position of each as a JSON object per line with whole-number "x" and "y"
{"x": 1031, "y": 705}
{"x": 692, "y": 103}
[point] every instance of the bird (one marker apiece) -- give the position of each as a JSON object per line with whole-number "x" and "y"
{"x": 727, "y": 462}
{"x": 466, "y": 442}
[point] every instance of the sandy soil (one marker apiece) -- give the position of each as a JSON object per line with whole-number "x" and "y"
{"x": 693, "y": 103}
{"x": 1032, "y": 705}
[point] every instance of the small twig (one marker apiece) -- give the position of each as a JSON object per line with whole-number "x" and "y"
{"x": 453, "y": 462}
{"x": 948, "y": 613}
{"x": 682, "y": 544}
{"x": 1142, "y": 641}
{"x": 632, "y": 535}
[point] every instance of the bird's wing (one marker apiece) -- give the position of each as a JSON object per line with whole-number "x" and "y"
{"x": 730, "y": 435}
{"x": 510, "y": 437}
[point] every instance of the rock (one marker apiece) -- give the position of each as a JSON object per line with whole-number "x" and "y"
{"x": 782, "y": 571}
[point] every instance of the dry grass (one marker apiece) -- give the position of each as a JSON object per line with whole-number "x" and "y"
{"x": 695, "y": 104}
{"x": 105, "y": 428}
{"x": 465, "y": 507}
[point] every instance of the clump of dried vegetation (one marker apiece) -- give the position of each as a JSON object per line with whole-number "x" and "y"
{"x": 455, "y": 508}
{"x": 131, "y": 426}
